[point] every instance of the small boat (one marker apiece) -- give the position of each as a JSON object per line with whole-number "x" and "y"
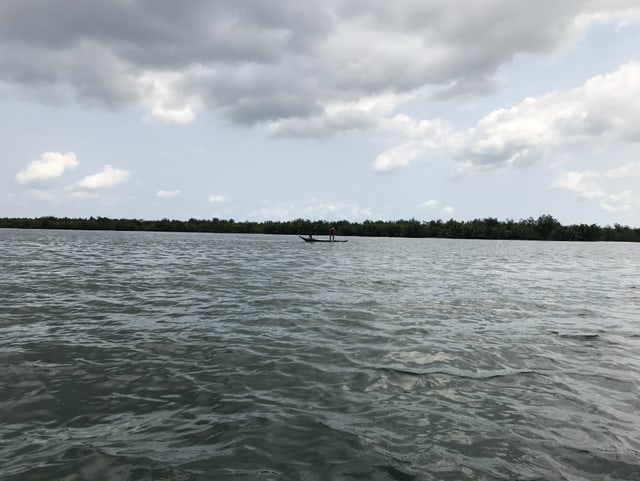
{"x": 311, "y": 239}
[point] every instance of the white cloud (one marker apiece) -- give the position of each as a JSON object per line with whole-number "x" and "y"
{"x": 109, "y": 177}
{"x": 215, "y": 199}
{"x": 415, "y": 139}
{"x": 598, "y": 111}
{"x": 398, "y": 157}
{"x": 585, "y": 184}
{"x": 166, "y": 99}
{"x": 317, "y": 209}
{"x": 179, "y": 115}
{"x": 430, "y": 204}
{"x": 49, "y": 166}
{"x": 341, "y": 115}
{"x": 274, "y": 212}
{"x": 168, "y": 194}
{"x": 361, "y": 213}
{"x": 630, "y": 169}
{"x": 312, "y": 209}
{"x": 448, "y": 210}
{"x": 619, "y": 202}
{"x": 592, "y": 186}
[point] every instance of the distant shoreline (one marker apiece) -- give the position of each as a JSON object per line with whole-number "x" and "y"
{"x": 544, "y": 227}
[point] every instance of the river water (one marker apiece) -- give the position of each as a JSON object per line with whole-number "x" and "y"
{"x": 164, "y": 356}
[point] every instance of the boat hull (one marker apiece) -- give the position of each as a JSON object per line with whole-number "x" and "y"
{"x": 307, "y": 239}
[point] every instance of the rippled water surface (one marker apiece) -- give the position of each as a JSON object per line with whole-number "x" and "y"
{"x": 157, "y": 356}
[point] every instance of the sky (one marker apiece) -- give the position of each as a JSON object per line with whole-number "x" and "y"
{"x": 323, "y": 109}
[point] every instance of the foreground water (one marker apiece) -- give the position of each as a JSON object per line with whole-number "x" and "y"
{"x": 156, "y": 356}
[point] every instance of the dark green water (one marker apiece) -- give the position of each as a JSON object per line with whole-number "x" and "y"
{"x": 152, "y": 356}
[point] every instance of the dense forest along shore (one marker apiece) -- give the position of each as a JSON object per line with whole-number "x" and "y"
{"x": 545, "y": 227}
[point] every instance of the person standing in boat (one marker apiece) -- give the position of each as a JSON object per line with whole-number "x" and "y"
{"x": 332, "y": 233}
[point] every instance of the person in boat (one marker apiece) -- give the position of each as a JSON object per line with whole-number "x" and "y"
{"x": 332, "y": 233}
{"x": 310, "y": 236}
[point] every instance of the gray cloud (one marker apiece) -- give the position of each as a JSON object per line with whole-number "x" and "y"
{"x": 165, "y": 33}
{"x": 265, "y": 61}
{"x": 256, "y": 93}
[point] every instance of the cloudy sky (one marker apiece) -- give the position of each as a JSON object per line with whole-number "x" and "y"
{"x": 322, "y": 109}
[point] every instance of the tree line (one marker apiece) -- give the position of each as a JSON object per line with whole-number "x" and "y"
{"x": 544, "y": 227}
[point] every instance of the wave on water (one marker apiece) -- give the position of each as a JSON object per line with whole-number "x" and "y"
{"x": 86, "y": 462}
{"x": 151, "y": 356}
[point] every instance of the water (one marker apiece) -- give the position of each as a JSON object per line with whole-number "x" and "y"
{"x": 157, "y": 356}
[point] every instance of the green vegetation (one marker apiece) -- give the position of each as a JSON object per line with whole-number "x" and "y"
{"x": 544, "y": 227}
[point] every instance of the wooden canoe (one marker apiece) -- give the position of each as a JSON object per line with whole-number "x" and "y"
{"x": 312, "y": 239}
